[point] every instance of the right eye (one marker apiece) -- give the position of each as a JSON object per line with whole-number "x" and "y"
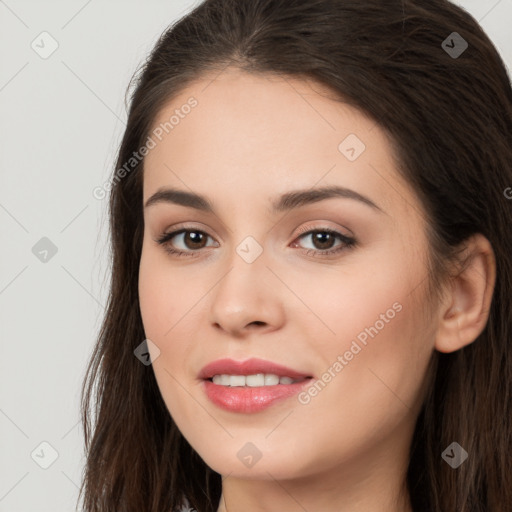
{"x": 191, "y": 239}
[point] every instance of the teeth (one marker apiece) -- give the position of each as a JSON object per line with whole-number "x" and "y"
{"x": 236, "y": 380}
{"x": 255, "y": 380}
{"x": 224, "y": 380}
{"x": 271, "y": 380}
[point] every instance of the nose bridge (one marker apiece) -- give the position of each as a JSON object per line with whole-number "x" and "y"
{"x": 244, "y": 295}
{"x": 246, "y": 271}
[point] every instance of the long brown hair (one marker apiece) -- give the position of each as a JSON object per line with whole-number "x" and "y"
{"x": 449, "y": 118}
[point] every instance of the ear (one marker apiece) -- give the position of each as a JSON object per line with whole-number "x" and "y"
{"x": 465, "y": 312}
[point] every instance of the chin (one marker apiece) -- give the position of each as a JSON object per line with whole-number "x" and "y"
{"x": 274, "y": 466}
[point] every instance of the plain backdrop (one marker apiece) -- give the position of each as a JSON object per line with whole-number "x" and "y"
{"x": 61, "y": 119}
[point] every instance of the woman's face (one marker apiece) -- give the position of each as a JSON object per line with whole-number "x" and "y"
{"x": 270, "y": 283}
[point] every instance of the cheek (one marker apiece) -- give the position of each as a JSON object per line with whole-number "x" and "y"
{"x": 375, "y": 389}
{"x": 378, "y": 329}
{"x": 161, "y": 309}
{"x": 385, "y": 354}
{"x": 165, "y": 294}
{"x": 168, "y": 300}
{"x": 154, "y": 302}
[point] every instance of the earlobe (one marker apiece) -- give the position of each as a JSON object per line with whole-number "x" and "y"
{"x": 464, "y": 316}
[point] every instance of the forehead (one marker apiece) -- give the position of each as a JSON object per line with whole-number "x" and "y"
{"x": 261, "y": 135}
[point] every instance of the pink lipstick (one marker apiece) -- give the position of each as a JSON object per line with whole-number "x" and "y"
{"x": 250, "y": 386}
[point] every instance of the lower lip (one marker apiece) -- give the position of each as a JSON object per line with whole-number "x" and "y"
{"x": 250, "y": 399}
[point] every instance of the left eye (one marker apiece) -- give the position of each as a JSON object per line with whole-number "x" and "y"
{"x": 324, "y": 238}
{"x": 194, "y": 240}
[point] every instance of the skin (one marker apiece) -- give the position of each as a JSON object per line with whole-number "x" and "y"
{"x": 250, "y": 139}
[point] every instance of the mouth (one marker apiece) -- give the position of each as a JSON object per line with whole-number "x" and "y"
{"x": 250, "y": 386}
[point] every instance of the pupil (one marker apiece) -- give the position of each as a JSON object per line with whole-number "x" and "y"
{"x": 323, "y": 235}
{"x": 193, "y": 236}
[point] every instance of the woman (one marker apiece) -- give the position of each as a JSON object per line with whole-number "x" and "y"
{"x": 312, "y": 244}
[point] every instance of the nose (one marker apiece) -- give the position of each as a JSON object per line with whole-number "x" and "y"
{"x": 247, "y": 298}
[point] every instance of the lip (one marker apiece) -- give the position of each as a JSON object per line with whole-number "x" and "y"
{"x": 248, "y": 367}
{"x": 243, "y": 399}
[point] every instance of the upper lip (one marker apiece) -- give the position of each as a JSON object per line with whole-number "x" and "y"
{"x": 248, "y": 367}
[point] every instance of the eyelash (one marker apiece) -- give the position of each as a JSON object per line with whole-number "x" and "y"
{"x": 347, "y": 242}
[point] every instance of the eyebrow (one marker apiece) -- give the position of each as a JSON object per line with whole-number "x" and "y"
{"x": 288, "y": 201}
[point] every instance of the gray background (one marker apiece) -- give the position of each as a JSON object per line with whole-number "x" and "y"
{"x": 61, "y": 119}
